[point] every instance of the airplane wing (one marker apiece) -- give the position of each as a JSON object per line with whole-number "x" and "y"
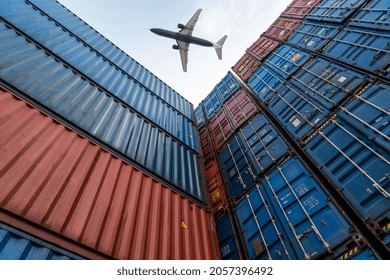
{"x": 183, "y": 54}
{"x": 189, "y": 27}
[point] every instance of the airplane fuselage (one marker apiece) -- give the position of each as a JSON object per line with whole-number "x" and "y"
{"x": 183, "y": 38}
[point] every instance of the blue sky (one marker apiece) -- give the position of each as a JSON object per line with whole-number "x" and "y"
{"x": 127, "y": 24}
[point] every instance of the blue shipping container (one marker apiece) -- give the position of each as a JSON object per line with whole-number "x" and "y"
{"x": 199, "y": 117}
{"x": 265, "y": 83}
{"x": 85, "y": 33}
{"x": 375, "y": 16}
{"x": 364, "y": 48}
{"x": 275, "y": 70}
{"x": 355, "y": 163}
{"x": 262, "y": 143}
{"x": 99, "y": 70}
{"x": 212, "y": 104}
{"x": 312, "y": 35}
{"x": 290, "y": 216}
{"x": 227, "y": 86}
{"x": 334, "y": 10}
{"x": 226, "y": 238}
{"x": 296, "y": 112}
{"x": 285, "y": 60}
{"x": 17, "y": 245}
{"x": 369, "y": 113}
{"x": 312, "y": 94}
{"x": 264, "y": 237}
{"x": 236, "y": 168}
{"x": 83, "y": 105}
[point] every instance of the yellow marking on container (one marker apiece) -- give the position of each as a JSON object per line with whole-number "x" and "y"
{"x": 296, "y": 57}
{"x": 183, "y": 224}
{"x": 215, "y": 195}
{"x": 232, "y": 86}
{"x": 241, "y": 67}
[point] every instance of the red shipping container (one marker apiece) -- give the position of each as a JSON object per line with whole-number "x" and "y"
{"x": 215, "y": 187}
{"x": 299, "y": 8}
{"x": 205, "y": 143}
{"x": 55, "y": 178}
{"x": 246, "y": 66}
{"x": 262, "y": 47}
{"x": 220, "y": 129}
{"x": 282, "y": 28}
{"x": 241, "y": 108}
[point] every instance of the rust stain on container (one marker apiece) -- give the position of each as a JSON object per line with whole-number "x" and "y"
{"x": 53, "y": 177}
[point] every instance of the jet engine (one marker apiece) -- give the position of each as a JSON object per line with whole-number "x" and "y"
{"x": 175, "y": 47}
{"x": 181, "y": 26}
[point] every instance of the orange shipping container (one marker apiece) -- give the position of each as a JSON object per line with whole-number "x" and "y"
{"x": 53, "y": 177}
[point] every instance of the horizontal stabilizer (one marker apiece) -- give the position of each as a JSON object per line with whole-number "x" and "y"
{"x": 218, "y": 46}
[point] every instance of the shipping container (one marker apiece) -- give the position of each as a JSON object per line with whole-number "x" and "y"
{"x": 263, "y": 236}
{"x": 220, "y": 129}
{"x": 246, "y": 66}
{"x": 251, "y": 152}
{"x": 369, "y": 113}
{"x": 55, "y": 178}
{"x": 18, "y": 245}
{"x": 265, "y": 83}
{"x": 215, "y": 187}
{"x": 263, "y": 144}
{"x": 205, "y": 140}
{"x": 262, "y": 47}
{"x": 57, "y": 14}
{"x": 361, "y": 47}
{"x": 253, "y": 57}
{"x": 86, "y": 64}
{"x": 356, "y": 163}
{"x": 199, "y": 117}
{"x": 226, "y": 87}
{"x": 313, "y": 94}
{"x": 375, "y": 15}
{"x": 236, "y": 168}
{"x": 312, "y": 35}
{"x": 240, "y": 108}
{"x": 299, "y": 8}
{"x": 226, "y": 238}
{"x": 97, "y": 114}
{"x": 282, "y": 28}
{"x": 288, "y": 215}
{"x": 335, "y": 10}
{"x": 212, "y": 104}
{"x": 286, "y": 59}
{"x": 275, "y": 70}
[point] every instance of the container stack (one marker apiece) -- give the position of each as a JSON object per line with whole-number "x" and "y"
{"x": 98, "y": 156}
{"x": 306, "y": 174}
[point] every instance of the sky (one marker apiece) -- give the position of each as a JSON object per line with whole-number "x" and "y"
{"x": 127, "y": 22}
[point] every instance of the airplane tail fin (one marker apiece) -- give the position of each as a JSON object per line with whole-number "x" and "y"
{"x": 218, "y": 46}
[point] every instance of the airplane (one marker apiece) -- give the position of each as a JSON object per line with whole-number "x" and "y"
{"x": 184, "y": 38}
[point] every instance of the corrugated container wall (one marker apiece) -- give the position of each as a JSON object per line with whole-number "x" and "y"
{"x": 55, "y": 178}
{"x": 70, "y": 95}
{"x": 17, "y": 245}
